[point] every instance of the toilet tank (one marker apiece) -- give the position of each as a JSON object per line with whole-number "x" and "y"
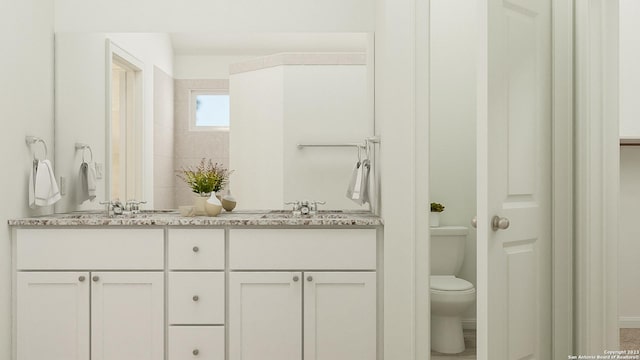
{"x": 447, "y": 249}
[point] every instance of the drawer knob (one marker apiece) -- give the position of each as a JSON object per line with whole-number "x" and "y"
{"x": 309, "y": 278}
{"x": 296, "y": 278}
{"x": 196, "y": 298}
{"x": 81, "y": 278}
{"x": 196, "y": 352}
{"x": 96, "y": 278}
{"x": 196, "y": 249}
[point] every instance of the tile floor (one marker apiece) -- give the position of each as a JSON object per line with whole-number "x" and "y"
{"x": 629, "y": 339}
{"x": 468, "y": 354}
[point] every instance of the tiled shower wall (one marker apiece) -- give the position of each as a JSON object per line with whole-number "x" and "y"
{"x": 163, "y": 141}
{"x": 192, "y": 146}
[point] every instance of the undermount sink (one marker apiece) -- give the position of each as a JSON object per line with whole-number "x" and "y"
{"x": 160, "y": 212}
{"x": 322, "y": 214}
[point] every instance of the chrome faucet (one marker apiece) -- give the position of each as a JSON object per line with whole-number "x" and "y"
{"x": 114, "y": 207}
{"x": 305, "y": 207}
{"x": 133, "y": 206}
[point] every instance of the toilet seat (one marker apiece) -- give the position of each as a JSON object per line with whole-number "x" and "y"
{"x": 449, "y": 283}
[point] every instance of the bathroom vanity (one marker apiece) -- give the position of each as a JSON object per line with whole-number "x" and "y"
{"x": 161, "y": 286}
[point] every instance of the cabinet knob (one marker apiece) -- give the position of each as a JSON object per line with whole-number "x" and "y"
{"x": 196, "y": 298}
{"x": 196, "y": 249}
{"x": 81, "y": 278}
{"x": 295, "y": 278}
{"x": 96, "y": 278}
{"x": 196, "y": 352}
{"x": 309, "y": 278}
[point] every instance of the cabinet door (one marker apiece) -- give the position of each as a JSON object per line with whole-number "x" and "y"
{"x": 127, "y": 315}
{"x": 265, "y": 315}
{"x": 339, "y": 315}
{"x": 53, "y": 316}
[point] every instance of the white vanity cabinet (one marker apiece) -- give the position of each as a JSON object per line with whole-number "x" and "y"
{"x": 326, "y": 310}
{"x": 53, "y": 313}
{"x": 210, "y": 292}
{"x": 109, "y": 311}
{"x": 196, "y": 295}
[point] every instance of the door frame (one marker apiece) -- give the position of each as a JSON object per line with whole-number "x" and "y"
{"x": 113, "y": 50}
{"x": 597, "y": 177}
{"x": 562, "y": 178}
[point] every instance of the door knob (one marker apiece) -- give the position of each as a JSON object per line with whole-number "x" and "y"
{"x": 81, "y": 278}
{"x": 474, "y": 222}
{"x": 499, "y": 223}
{"x": 96, "y": 278}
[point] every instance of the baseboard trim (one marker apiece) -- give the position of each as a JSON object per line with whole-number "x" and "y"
{"x": 625, "y": 322}
{"x": 470, "y": 324}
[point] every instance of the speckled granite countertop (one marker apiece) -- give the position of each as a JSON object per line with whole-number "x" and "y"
{"x": 235, "y": 218}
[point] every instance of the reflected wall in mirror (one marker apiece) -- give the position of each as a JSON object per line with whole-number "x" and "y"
{"x": 242, "y": 100}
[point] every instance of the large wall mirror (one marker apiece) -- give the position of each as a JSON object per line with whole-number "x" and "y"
{"x": 137, "y": 107}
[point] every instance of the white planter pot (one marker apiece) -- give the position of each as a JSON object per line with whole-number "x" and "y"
{"x": 434, "y": 219}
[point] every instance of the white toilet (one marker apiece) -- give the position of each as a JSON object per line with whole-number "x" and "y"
{"x": 450, "y": 296}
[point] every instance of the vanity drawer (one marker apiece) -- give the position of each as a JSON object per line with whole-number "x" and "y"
{"x": 90, "y": 249}
{"x": 196, "y": 249}
{"x": 304, "y": 249}
{"x": 196, "y": 342}
{"x": 196, "y": 298}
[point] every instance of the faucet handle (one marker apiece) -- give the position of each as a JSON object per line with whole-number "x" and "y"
{"x": 296, "y": 204}
{"x": 313, "y": 206}
{"x": 134, "y": 205}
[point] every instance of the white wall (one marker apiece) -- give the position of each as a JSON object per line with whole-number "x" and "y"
{"x": 401, "y": 97}
{"x": 629, "y": 69}
{"x": 320, "y": 104}
{"x": 256, "y": 138}
{"x": 81, "y": 102}
{"x": 324, "y": 104}
{"x": 204, "y": 66}
{"x": 215, "y": 16}
{"x": 453, "y": 121}
{"x": 26, "y": 108}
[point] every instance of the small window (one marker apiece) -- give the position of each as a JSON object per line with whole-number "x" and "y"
{"x": 210, "y": 110}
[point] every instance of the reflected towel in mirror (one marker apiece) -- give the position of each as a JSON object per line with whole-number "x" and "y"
{"x": 87, "y": 182}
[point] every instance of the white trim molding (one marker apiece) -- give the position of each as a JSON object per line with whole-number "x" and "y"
{"x": 596, "y": 176}
{"x": 629, "y": 322}
{"x": 562, "y": 179}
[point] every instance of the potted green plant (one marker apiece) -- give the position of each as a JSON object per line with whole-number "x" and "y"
{"x": 205, "y": 180}
{"x": 434, "y": 215}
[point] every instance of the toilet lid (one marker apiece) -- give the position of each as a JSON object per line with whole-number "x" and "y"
{"x": 449, "y": 283}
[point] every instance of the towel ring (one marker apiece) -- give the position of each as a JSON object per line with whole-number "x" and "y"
{"x": 84, "y": 148}
{"x": 30, "y": 140}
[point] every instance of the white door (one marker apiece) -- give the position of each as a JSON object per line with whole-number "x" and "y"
{"x": 265, "y": 316}
{"x": 53, "y": 316}
{"x": 339, "y": 315}
{"x": 127, "y": 315}
{"x": 514, "y": 175}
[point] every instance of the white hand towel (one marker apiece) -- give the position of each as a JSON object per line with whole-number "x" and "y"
{"x": 32, "y": 182}
{"x": 46, "y": 189}
{"x": 91, "y": 180}
{"x": 82, "y": 193}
